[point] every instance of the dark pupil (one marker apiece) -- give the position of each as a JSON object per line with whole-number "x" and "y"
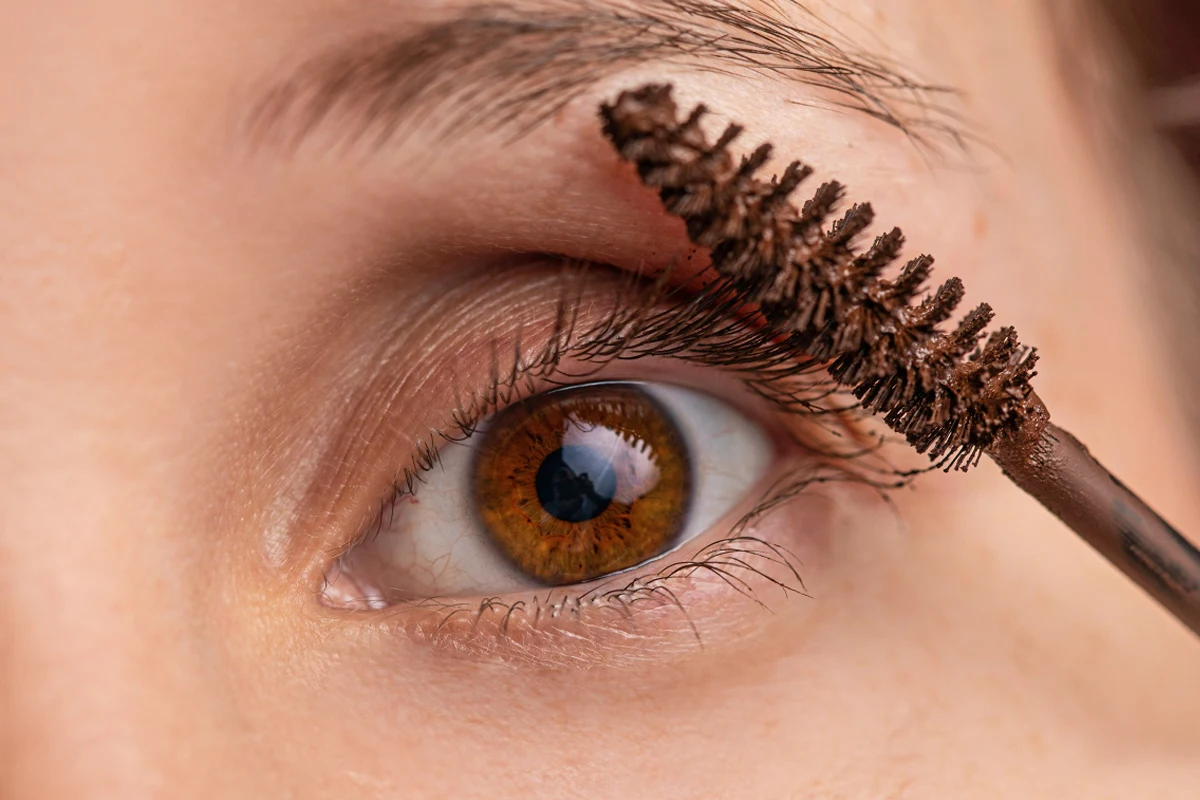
{"x": 576, "y": 483}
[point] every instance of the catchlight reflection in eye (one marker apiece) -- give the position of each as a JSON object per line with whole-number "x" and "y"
{"x": 578, "y": 483}
{"x": 566, "y": 487}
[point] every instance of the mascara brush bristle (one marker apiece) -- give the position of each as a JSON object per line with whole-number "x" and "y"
{"x": 947, "y": 395}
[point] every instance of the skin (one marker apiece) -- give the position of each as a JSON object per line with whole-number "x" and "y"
{"x": 192, "y": 330}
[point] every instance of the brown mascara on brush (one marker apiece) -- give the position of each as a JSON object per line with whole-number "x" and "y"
{"x": 951, "y": 394}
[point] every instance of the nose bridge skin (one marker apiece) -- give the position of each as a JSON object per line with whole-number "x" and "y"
{"x": 124, "y": 666}
{"x": 113, "y": 684}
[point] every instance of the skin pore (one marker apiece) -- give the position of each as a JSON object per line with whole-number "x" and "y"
{"x": 222, "y": 338}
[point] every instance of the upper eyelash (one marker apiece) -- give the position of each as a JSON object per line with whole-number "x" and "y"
{"x": 705, "y": 326}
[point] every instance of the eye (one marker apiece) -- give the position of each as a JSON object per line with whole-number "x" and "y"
{"x": 562, "y": 488}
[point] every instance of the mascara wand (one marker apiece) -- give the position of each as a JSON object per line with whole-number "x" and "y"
{"x": 949, "y": 395}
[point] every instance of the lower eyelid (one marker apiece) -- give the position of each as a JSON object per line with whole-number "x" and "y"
{"x": 715, "y": 590}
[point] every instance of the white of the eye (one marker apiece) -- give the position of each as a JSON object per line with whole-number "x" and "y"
{"x": 436, "y": 545}
{"x": 730, "y": 453}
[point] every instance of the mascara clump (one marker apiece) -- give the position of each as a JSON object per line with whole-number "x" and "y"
{"x": 881, "y": 337}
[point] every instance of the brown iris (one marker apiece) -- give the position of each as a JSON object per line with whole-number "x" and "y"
{"x": 577, "y": 483}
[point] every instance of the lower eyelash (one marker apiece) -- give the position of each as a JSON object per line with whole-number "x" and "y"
{"x": 608, "y": 621}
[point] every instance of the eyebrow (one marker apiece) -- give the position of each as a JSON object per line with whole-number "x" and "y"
{"x": 513, "y": 65}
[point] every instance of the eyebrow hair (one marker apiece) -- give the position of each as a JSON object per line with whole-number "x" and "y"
{"x": 513, "y": 65}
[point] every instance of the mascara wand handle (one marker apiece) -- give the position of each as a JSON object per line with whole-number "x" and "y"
{"x": 1064, "y": 477}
